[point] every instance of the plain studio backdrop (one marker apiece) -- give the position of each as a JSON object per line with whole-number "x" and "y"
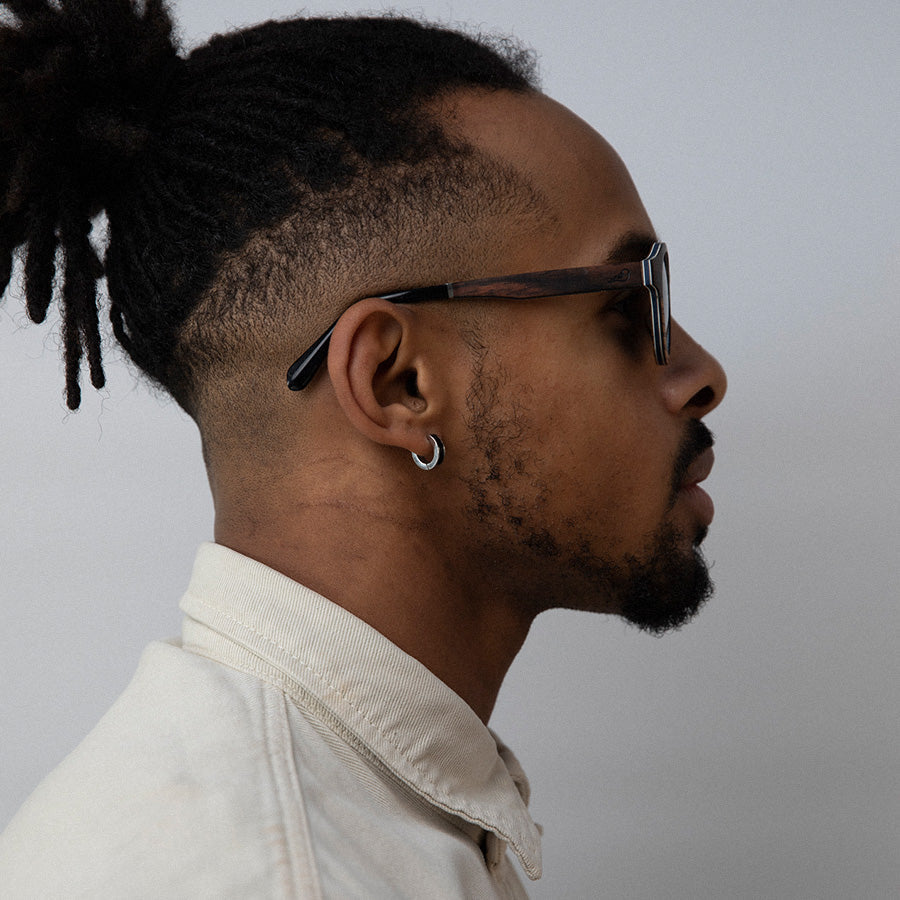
{"x": 755, "y": 753}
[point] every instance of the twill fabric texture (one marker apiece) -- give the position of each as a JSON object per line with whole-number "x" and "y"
{"x": 281, "y": 748}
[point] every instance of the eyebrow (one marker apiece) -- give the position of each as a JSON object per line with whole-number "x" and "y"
{"x": 631, "y": 246}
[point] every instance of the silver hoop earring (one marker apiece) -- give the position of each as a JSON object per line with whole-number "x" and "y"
{"x": 437, "y": 457}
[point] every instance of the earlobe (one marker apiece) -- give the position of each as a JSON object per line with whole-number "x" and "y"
{"x": 374, "y": 363}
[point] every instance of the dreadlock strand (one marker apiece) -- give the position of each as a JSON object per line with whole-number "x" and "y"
{"x": 72, "y": 350}
{"x": 81, "y": 327}
{"x": 40, "y": 264}
{"x": 90, "y": 270}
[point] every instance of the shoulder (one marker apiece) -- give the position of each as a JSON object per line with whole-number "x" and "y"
{"x": 174, "y": 788}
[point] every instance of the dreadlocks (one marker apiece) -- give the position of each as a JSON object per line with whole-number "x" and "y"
{"x": 249, "y": 187}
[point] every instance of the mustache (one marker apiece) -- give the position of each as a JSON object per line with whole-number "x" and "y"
{"x": 697, "y": 439}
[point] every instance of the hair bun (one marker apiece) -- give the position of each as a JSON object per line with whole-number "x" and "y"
{"x": 80, "y": 86}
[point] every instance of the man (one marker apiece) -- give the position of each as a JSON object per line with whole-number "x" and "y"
{"x": 451, "y": 462}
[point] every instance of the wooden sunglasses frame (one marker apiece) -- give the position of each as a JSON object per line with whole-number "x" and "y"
{"x": 652, "y": 272}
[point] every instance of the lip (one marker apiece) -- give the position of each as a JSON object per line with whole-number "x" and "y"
{"x": 699, "y": 469}
{"x": 690, "y": 488}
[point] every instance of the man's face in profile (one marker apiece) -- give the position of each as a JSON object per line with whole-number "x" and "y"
{"x": 586, "y": 453}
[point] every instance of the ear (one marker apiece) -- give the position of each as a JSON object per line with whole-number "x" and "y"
{"x": 379, "y": 365}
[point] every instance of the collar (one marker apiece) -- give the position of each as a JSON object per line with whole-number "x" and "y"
{"x": 379, "y": 698}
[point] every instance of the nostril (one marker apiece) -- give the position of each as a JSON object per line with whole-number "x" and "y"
{"x": 703, "y": 397}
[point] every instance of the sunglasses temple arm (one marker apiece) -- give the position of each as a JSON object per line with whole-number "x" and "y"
{"x": 301, "y": 372}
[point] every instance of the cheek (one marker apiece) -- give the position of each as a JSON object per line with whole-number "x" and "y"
{"x": 587, "y": 440}
{"x": 606, "y": 461}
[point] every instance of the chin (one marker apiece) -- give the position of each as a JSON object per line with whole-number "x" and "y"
{"x": 667, "y": 593}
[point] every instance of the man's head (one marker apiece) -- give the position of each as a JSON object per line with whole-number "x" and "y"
{"x": 576, "y": 453}
{"x": 290, "y": 173}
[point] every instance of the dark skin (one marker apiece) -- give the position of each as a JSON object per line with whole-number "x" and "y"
{"x": 589, "y": 425}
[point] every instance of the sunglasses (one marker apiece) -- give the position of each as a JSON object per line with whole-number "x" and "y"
{"x": 651, "y": 273}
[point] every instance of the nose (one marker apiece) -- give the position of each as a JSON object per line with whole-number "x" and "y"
{"x": 694, "y": 381}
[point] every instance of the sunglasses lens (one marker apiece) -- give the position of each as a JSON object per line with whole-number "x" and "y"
{"x": 656, "y": 280}
{"x": 665, "y": 311}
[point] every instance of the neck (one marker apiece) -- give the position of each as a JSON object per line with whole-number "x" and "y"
{"x": 367, "y": 544}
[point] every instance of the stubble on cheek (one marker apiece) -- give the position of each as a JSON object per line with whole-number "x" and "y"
{"x": 498, "y": 433}
{"x": 509, "y": 504}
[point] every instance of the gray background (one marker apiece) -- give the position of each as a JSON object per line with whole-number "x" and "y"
{"x": 753, "y": 754}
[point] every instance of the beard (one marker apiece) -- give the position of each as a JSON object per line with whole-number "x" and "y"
{"x": 658, "y": 589}
{"x": 665, "y": 591}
